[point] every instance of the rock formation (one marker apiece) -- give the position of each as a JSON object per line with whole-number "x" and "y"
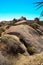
{"x": 27, "y": 35}
{"x": 21, "y": 43}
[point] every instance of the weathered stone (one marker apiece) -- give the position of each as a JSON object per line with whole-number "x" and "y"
{"x": 27, "y": 35}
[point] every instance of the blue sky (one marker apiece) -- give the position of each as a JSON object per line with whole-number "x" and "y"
{"x": 10, "y": 9}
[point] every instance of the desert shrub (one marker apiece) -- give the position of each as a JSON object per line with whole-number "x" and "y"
{"x": 15, "y": 20}
{"x": 20, "y": 36}
{"x": 4, "y": 39}
{"x": 22, "y": 18}
{"x": 34, "y": 26}
{"x": 1, "y": 30}
{"x": 41, "y": 23}
{"x": 40, "y": 32}
{"x": 8, "y": 27}
{"x": 36, "y": 20}
{"x": 11, "y": 23}
{"x": 30, "y": 50}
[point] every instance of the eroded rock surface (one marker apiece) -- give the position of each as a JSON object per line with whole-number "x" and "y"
{"x": 28, "y": 36}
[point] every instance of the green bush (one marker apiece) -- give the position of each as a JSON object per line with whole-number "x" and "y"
{"x": 4, "y": 39}
{"x": 30, "y": 50}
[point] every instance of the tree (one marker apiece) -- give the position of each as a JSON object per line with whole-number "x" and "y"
{"x": 15, "y": 20}
{"x": 41, "y": 15}
{"x": 36, "y": 20}
{"x": 39, "y": 5}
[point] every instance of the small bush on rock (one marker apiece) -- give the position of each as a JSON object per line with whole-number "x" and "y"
{"x": 30, "y": 49}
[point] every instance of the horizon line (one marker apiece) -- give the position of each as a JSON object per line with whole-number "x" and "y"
{"x": 11, "y": 18}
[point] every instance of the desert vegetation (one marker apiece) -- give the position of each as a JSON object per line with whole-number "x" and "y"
{"x": 39, "y": 5}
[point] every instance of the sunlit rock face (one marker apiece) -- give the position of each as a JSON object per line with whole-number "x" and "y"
{"x": 27, "y": 35}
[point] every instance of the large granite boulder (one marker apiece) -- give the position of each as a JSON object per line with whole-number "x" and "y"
{"x": 28, "y": 36}
{"x": 10, "y": 44}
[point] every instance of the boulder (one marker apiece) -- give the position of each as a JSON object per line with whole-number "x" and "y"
{"x": 27, "y": 35}
{"x": 11, "y": 45}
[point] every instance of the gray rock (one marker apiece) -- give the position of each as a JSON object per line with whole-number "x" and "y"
{"x": 27, "y": 35}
